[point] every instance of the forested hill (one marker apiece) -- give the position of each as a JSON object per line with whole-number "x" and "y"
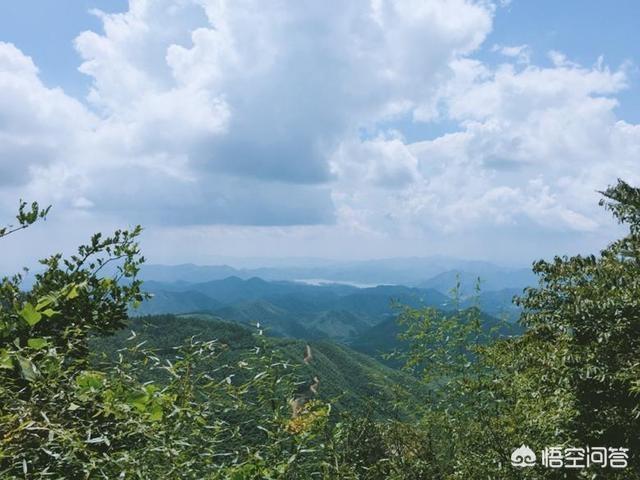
{"x": 288, "y": 309}
{"x": 349, "y": 380}
{"x": 334, "y": 311}
{"x": 383, "y": 338}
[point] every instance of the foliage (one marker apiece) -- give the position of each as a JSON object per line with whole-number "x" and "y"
{"x": 349, "y": 380}
{"x": 65, "y": 414}
{"x": 68, "y": 412}
{"x": 25, "y": 217}
{"x": 572, "y": 378}
{"x": 586, "y": 313}
{"x": 49, "y": 421}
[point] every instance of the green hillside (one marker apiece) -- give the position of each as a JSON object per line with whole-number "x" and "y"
{"x": 179, "y": 302}
{"x": 383, "y": 338}
{"x": 276, "y": 320}
{"x": 289, "y": 309}
{"x": 348, "y": 379}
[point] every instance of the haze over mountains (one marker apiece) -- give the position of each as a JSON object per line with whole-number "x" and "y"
{"x": 346, "y": 310}
{"x": 430, "y": 272}
{"x": 334, "y": 300}
{"x": 289, "y": 308}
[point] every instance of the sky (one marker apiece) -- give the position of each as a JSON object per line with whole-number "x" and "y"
{"x": 345, "y": 130}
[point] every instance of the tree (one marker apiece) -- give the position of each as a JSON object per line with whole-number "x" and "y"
{"x": 67, "y": 413}
{"x": 572, "y": 379}
{"x": 50, "y": 418}
{"x": 586, "y": 313}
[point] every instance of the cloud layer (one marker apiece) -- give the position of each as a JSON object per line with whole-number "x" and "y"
{"x": 206, "y": 112}
{"x": 534, "y": 146}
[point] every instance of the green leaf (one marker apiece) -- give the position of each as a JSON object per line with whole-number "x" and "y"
{"x": 49, "y": 312}
{"x": 138, "y": 400}
{"x": 45, "y": 302}
{"x": 37, "y": 343}
{"x": 28, "y": 369}
{"x": 30, "y": 314}
{"x": 5, "y": 360}
{"x": 155, "y": 415}
{"x": 90, "y": 380}
{"x": 73, "y": 293}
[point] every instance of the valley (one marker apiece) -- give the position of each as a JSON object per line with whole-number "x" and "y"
{"x": 302, "y": 310}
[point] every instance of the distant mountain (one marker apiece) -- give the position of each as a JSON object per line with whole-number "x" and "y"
{"x": 413, "y": 271}
{"x": 339, "y": 324}
{"x": 380, "y": 340}
{"x": 272, "y": 319}
{"x": 490, "y": 280}
{"x": 498, "y": 303}
{"x": 376, "y": 300}
{"x": 316, "y": 300}
{"x": 186, "y": 272}
{"x": 287, "y": 308}
{"x": 233, "y": 289}
{"x": 165, "y": 301}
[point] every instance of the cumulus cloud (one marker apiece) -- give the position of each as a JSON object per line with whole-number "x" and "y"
{"x": 37, "y": 124}
{"x": 535, "y": 145}
{"x": 206, "y": 112}
{"x": 198, "y": 106}
{"x": 381, "y": 162}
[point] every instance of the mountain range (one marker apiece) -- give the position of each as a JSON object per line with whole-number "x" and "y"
{"x": 338, "y": 308}
{"x": 289, "y": 309}
{"x": 338, "y": 312}
{"x": 429, "y": 272}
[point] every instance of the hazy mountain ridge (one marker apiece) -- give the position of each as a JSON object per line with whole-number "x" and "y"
{"x": 411, "y": 271}
{"x": 296, "y": 310}
{"x": 489, "y": 281}
{"x": 364, "y": 317}
{"x": 288, "y": 308}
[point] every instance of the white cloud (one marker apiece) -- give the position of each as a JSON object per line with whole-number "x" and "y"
{"x": 535, "y": 145}
{"x": 193, "y": 96}
{"x": 37, "y": 124}
{"x": 250, "y": 113}
{"x": 381, "y": 162}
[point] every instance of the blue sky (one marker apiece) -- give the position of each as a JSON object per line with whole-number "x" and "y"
{"x": 383, "y": 128}
{"x": 583, "y": 30}
{"x": 46, "y": 30}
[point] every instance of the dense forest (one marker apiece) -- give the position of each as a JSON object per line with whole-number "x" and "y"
{"x": 86, "y": 391}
